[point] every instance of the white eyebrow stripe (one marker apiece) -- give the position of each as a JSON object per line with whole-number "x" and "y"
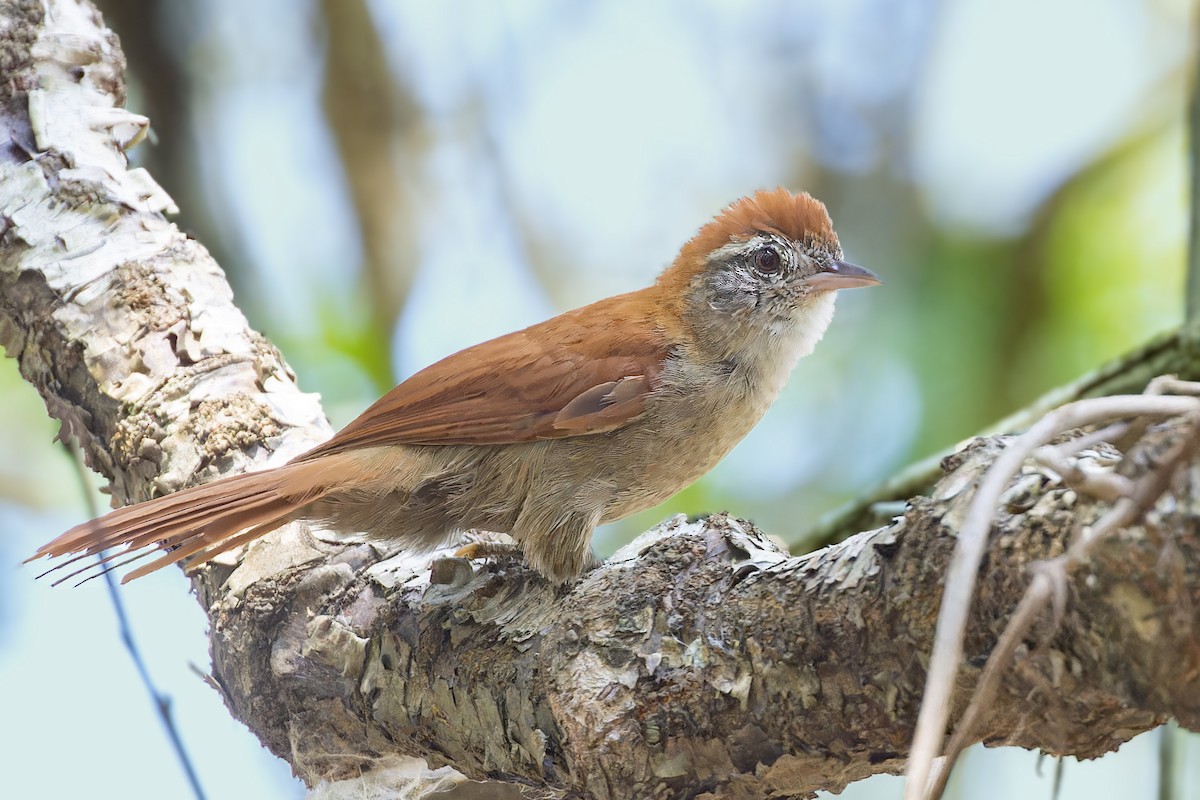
{"x": 738, "y": 248}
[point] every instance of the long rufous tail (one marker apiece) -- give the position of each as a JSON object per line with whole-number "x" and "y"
{"x": 200, "y": 523}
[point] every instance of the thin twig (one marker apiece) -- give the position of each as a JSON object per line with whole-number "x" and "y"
{"x": 1109, "y": 433}
{"x": 1170, "y": 384}
{"x": 161, "y": 701}
{"x": 1162, "y": 384}
{"x": 972, "y": 540}
{"x": 1059, "y": 765}
{"x": 1104, "y": 485}
{"x": 1166, "y": 762}
{"x": 1049, "y": 584}
{"x": 1032, "y": 605}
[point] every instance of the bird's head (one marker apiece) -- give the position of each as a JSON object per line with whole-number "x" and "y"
{"x": 768, "y": 263}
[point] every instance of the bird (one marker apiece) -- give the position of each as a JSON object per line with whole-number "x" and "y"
{"x": 546, "y": 432}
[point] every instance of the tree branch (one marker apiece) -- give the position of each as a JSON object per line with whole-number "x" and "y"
{"x": 700, "y": 658}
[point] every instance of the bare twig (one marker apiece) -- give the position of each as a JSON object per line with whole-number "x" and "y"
{"x": 1163, "y": 384}
{"x": 972, "y": 539}
{"x": 1056, "y": 789}
{"x": 1030, "y": 608}
{"x": 161, "y": 701}
{"x": 1167, "y": 747}
{"x": 1050, "y": 581}
{"x": 1104, "y": 485}
{"x": 1108, "y": 434}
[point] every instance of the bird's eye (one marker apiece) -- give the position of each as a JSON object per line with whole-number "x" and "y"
{"x": 767, "y": 261}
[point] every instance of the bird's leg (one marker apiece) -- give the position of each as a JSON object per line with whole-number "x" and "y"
{"x": 489, "y": 549}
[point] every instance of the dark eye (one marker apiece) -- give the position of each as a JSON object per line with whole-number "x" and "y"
{"x": 767, "y": 261}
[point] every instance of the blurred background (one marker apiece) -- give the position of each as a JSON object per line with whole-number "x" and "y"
{"x": 387, "y": 182}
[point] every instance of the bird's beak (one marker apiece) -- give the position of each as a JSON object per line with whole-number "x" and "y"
{"x": 841, "y": 275}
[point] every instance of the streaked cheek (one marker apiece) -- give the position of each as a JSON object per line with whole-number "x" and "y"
{"x": 733, "y": 291}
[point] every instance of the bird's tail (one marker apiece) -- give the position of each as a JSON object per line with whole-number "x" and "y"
{"x": 200, "y": 523}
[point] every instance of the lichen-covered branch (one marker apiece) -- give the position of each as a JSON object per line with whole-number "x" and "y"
{"x": 700, "y": 658}
{"x": 126, "y": 326}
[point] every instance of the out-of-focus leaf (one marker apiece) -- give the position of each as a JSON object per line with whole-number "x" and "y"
{"x": 1117, "y": 242}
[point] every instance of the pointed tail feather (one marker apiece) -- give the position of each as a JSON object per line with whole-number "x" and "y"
{"x": 201, "y": 522}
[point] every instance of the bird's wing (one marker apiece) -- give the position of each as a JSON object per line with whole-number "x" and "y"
{"x": 544, "y": 382}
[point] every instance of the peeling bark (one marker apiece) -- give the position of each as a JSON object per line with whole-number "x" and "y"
{"x": 126, "y": 326}
{"x": 698, "y": 659}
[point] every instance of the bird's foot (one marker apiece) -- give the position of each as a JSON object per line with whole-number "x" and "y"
{"x": 482, "y": 550}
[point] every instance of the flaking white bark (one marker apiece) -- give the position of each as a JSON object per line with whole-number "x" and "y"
{"x": 699, "y": 659}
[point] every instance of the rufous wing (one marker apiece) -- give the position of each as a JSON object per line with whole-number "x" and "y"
{"x": 584, "y": 372}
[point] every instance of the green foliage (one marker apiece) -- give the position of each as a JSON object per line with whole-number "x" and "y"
{"x": 343, "y": 351}
{"x": 1114, "y": 250}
